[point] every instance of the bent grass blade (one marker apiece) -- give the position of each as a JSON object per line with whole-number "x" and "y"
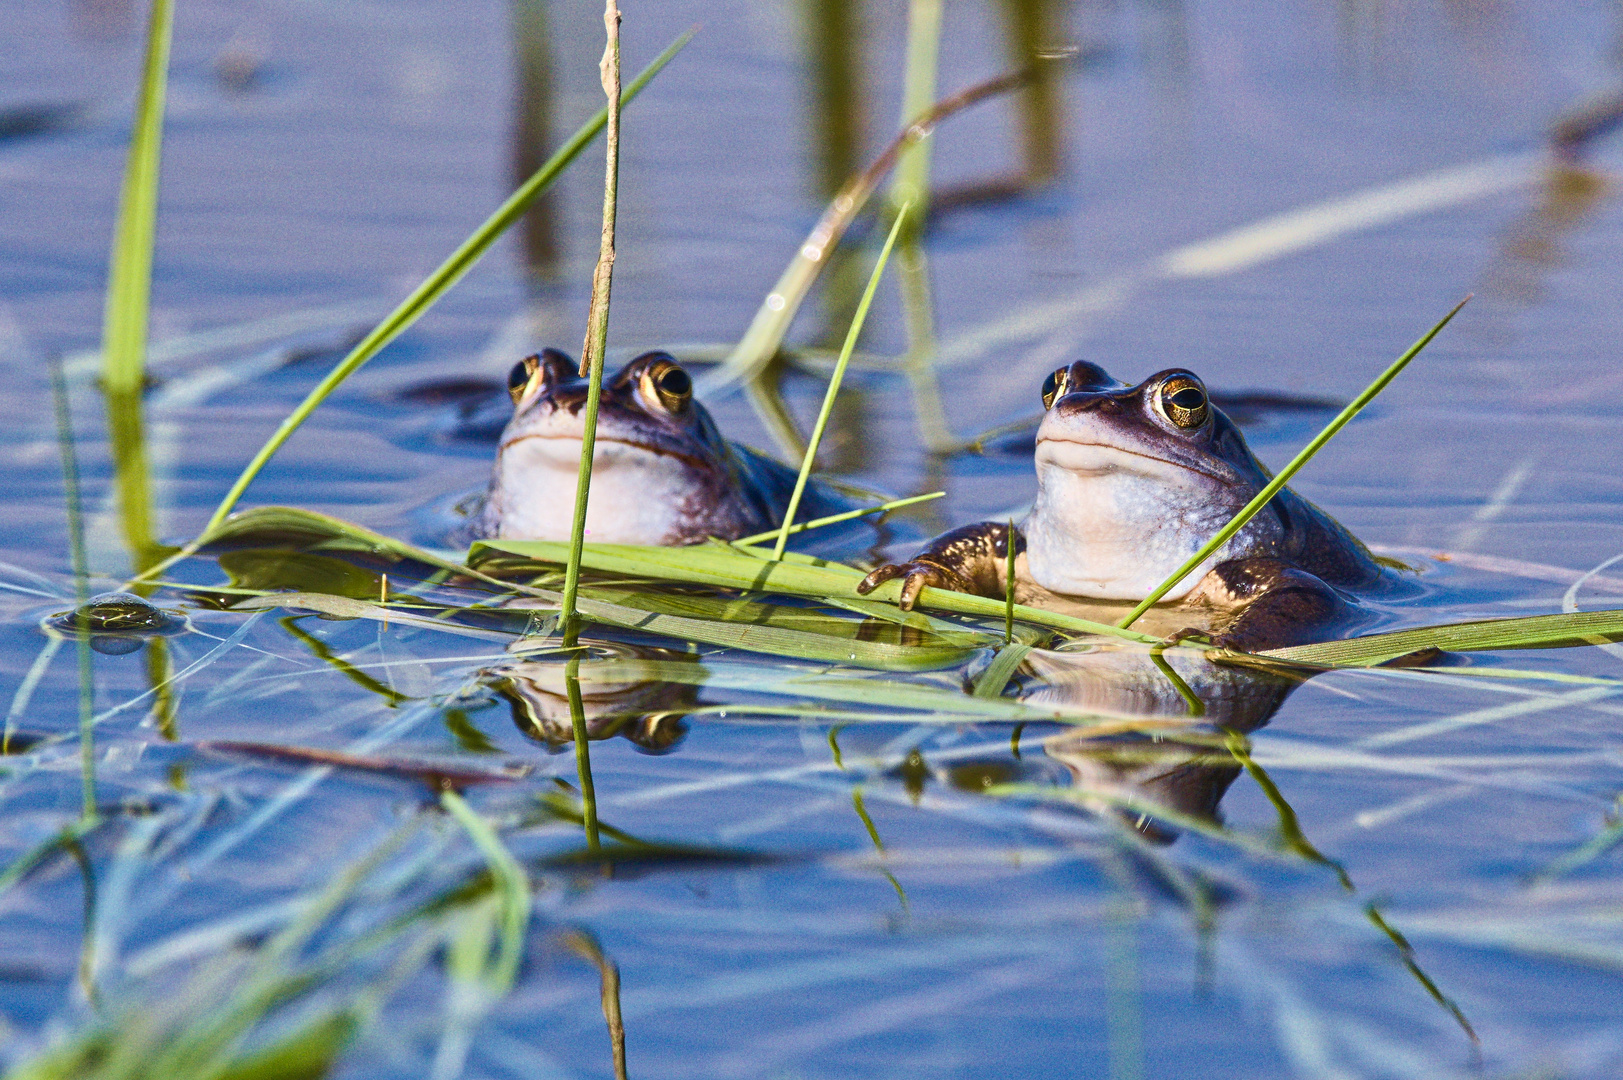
{"x": 835, "y": 519}
{"x": 766, "y": 331}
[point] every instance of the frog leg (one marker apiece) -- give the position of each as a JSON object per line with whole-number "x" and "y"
{"x": 1278, "y": 604}
{"x": 972, "y": 559}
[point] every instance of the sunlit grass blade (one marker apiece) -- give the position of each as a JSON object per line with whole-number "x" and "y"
{"x": 1251, "y": 508}
{"x": 835, "y": 519}
{"x": 1531, "y": 632}
{"x": 705, "y": 564}
{"x": 720, "y": 565}
{"x": 439, "y": 282}
{"x": 129, "y": 284}
{"x": 810, "y": 458}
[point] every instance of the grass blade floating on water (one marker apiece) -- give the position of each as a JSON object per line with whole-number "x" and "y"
{"x": 834, "y": 381}
{"x": 1251, "y": 508}
{"x": 440, "y": 281}
{"x": 1561, "y": 631}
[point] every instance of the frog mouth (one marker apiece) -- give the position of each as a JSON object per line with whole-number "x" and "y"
{"x": 1102, "y": 464}
{"x": 648, "y": 448}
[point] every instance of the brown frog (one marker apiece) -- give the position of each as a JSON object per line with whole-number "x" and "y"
{"x": 1131, "y": 481}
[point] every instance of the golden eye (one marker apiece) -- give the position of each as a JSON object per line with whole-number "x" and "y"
{"x": 518, "y": 380}
{"x": 666, "y": 383}
{"x": 1183, "y": 400}
{"x": 1054, "y": 386}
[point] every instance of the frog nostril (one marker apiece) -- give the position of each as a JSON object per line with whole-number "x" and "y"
{"x": 557, "y": 367}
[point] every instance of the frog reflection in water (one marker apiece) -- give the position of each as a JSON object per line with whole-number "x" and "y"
{"x": 1131, "y": 481}
{"x": 1185, "y": 707}
{"x": 661, "y": 471}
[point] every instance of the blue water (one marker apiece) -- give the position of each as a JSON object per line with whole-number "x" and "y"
{"x": 986, "y": 937}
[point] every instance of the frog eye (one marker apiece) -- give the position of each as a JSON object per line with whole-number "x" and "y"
{"x": 1054, "y": 386}
{"x": 666, "y": 383}
{"x": 518, "y": 380}
{"x": 1183, "y": 400}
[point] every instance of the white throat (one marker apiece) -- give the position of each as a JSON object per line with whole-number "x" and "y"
{"x": 1108, "y": 527}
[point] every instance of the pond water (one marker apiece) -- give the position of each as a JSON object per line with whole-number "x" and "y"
{"x": 1413, "y": 874}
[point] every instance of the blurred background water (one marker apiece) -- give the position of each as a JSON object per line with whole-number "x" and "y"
{"x": 1280, "y": 197}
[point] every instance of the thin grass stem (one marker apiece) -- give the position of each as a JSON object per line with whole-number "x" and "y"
{"x": 438, "y": 283}
{"x": 1274, "y": 486}
{"x": 835, "y": 519}
{"x": 597, "y": 329}
{"x": 834, "y": 381}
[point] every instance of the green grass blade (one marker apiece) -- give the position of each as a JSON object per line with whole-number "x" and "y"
{"x": 835, "y": 379}
{"x": 129, "y": 278}
{"x": 1251, "y": 508}
{"x": 1532, "y": 632}
{"x": 583, "y": 753}
{"x": 439, "y": 282}
{"x": 835, "y": 519}
{"x": 1000, "y": 670}
{"x": 720, "y": 565}
{"x": 911, "y": 183}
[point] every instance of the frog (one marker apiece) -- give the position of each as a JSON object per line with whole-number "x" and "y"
{"x": 662, "y": 473}
{"x": 1131, "y": 481}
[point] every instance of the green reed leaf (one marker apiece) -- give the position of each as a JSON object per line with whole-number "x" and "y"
{"x": 1531, "y": 632}
{"x": 809, "y": 459}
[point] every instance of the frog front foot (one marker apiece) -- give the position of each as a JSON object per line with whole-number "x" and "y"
{"x": 915, "y": 575}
